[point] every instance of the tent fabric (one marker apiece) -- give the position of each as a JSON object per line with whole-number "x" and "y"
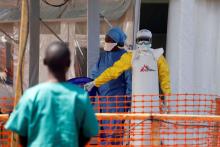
{"x": 193, "y": 53}
{"x": 8, "y": 3}
{"x": 112, "y": 10}
{"x": 73, "y": 32}
{"x": 193, "y": 46}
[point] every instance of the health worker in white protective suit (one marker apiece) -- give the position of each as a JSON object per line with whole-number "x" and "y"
{"x": 148, "y": 67}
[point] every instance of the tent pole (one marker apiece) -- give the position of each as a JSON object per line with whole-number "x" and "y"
{"x": 34, "y": 41}
{"x": 93, "y": 32}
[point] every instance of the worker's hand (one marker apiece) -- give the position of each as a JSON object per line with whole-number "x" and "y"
{"x": 3, "y": 76}
{"x": 165, "y": 106}
{"x": 89, "y": 86}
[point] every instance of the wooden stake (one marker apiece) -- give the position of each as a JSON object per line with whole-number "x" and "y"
{"x": 24, "y": 27}
{"x": 216, "y": 136}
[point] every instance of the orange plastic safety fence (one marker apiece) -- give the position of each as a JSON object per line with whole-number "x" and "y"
{"x": 155, "y": 131}
{"x": 4, "y": 136}
{"x": 6, "y": 105}
{"x": 152, "y": 131}
{"x": 178, "y": 104}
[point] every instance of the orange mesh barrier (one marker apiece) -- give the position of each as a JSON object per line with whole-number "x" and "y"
{"x": 178, "y": 104}
{"x": 139, "y": 121}
{"x": 6, "y": 105}
{"x": 154, "y": 131}
{"x": 4, "y": 134}
{"x": 158, "y": 130}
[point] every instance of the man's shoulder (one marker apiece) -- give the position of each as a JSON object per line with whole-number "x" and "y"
{"x": 38, "y": 87}
{"x": 76, "y": 89}
{"x": 80, "y": 94}
{"x": 48, "y": 87}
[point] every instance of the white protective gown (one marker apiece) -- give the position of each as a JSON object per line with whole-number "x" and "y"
{"x": 145, "y": 91}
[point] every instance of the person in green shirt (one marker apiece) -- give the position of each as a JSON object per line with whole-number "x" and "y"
{"x": 54, "y": 113}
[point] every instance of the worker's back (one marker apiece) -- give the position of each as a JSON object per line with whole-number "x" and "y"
{"x": 55, "y": 115}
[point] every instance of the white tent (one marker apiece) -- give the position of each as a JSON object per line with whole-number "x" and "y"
{"x": 193, "y": 46}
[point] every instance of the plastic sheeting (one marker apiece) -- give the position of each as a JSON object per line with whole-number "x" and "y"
{"x": 75, "y": 33}
{"x": 8, "y": 59}
{"x": 119, "y": 12}
{"x": 8, "y": 3}
{"x": 76, "y": 9}
{"x": 193, "y": 46}
{"x": 193, "y": 52}
{"x": 66, "y": 32}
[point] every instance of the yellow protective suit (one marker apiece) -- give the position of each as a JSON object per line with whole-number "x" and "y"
{"x": 125, "y": 63}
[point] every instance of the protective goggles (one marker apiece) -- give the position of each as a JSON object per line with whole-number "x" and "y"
{"x": 142, "y": 41}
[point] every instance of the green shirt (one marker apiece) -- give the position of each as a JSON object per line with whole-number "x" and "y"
{"x": 54, "y": 114}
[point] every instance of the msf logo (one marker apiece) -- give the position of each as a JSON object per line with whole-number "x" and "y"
{"x": 146, "y": 68}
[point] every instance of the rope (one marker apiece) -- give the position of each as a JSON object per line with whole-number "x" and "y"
{"x": 47, "y": 26}
{"x": 56, "y": 5}
{"x": 166, "y": 122}
{"x": 6, "y": 34}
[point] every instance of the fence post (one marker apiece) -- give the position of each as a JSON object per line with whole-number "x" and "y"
{"x": 216, "y": 129}
{"x": 155, "y": 133}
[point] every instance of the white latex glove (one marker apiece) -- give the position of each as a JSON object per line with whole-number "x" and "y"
{"x": 165, "y": 107}
{"x": 3, "y": 76}
{"x": 89, "y": 86}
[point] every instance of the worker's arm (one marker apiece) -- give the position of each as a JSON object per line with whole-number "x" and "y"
{"x": 128, "y": 81}
{"x": 113, "y": 72}
{"x": 19, "y": 118}
{"x": 89, "y": 124}
{"x": 164, "y": 75}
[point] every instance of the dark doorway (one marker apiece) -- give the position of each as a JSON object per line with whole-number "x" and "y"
{"x": 154, "y": 16}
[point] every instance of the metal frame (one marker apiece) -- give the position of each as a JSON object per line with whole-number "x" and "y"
{"x": 136, "y": 20}
{"x": 155, "y": 1}
{"x": 93, "y": 32}
{"x": 34, "y": 41}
